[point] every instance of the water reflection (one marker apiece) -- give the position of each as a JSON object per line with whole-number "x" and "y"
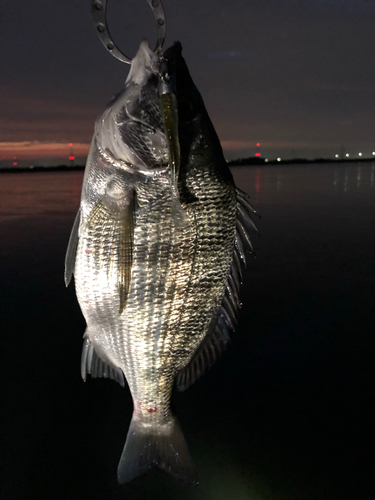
{"x": 302, "y": 355}
{"x": 336, "y": 179}
{"x": 278, "y": 181}
{"x": 346, "y": 179}
{"x": 299, "y": 183}
{"x": 29, "y": 194}
{"x": 258, "y": 180}
{"x": 359, "y": 176}
{"x": 46, "y": 193}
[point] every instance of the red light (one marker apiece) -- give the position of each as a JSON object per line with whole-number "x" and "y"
{"x": 15, "y": 163}
{"x": 257, "y": 154}
{"x": 70, "y": 144}
{"x": 72, "y": 157}
{"x": 258, "y": 144}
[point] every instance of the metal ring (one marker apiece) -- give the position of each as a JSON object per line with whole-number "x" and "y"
{"x": 99, "y": 9}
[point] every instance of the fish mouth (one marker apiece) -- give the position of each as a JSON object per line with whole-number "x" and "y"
{"x": 144, "y": 64}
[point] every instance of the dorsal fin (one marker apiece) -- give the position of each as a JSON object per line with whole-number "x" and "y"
{"x": 216, "y": 340}
{"x": 207, "y": 353}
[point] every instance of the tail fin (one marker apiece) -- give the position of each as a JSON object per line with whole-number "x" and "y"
{"x": 163, "y": 446}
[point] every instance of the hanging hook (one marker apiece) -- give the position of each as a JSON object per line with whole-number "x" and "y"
{"x": 99, "y": 8}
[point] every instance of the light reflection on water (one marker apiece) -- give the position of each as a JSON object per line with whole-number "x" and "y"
{"x": 300, "y": 183}
{"x": 32, "y": 194}
{"x": 346, "y": 180}
{"x": 359, "y": 177}
{"x": 311, "y": 308}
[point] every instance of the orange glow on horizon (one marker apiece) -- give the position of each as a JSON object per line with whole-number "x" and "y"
{"x": 29, "y": 150}
{"x": 229, "y": 145}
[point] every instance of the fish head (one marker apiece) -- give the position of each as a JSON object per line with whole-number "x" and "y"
{"x": 131, "y": 129}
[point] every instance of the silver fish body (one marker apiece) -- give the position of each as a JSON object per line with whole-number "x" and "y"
{"x": 158, "y": 296}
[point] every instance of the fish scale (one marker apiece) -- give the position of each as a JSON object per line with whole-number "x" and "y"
{"x": 162, "y": 296}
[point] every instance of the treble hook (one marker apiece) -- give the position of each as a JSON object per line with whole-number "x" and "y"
{"x": 99, "y": 8}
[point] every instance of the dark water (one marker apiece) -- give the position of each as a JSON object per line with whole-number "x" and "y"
{"x": 287, "y": 414}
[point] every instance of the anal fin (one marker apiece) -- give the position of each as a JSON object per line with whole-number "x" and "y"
{"x": 96, "y": 364}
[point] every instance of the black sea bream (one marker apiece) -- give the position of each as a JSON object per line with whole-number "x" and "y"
{"x": 157, "y": 267}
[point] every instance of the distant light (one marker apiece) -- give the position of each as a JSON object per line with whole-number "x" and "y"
{"x": 15, "y": 164}
{"x": 72, "y": 157}
{"x": 257, "y": 154}
{"x": 70, "y": 144}
{"x": 336, "y": 155}
{"x": 279, "y": 159}
{"x": 347, "y": 155}
{"x": 258, "y": 144}
{"x": 373, "y": 153}
{"x": 359, "y": 154}
{"x": 266, "y": 159}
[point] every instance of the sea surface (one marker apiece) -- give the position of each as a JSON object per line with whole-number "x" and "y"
{"x": 287, "y": 413}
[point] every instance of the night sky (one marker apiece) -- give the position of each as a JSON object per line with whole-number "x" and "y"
{"x": 298, "y": 76}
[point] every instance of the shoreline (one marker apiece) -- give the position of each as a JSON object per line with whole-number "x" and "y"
{"x": 59, "y": 168}
{"x": 245, "y": 162}
{"x": 249, "y": 162}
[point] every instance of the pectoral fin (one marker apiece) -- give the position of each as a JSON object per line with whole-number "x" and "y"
{"x": 125, "y": 250}
{"x": 111, "y": 233}
{"x": 71, "y": 251}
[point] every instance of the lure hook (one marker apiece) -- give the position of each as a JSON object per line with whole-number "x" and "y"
{"x": 99, "y": 8}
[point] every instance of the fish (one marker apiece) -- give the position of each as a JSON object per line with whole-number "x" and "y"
{"x": 156, "y": 251}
